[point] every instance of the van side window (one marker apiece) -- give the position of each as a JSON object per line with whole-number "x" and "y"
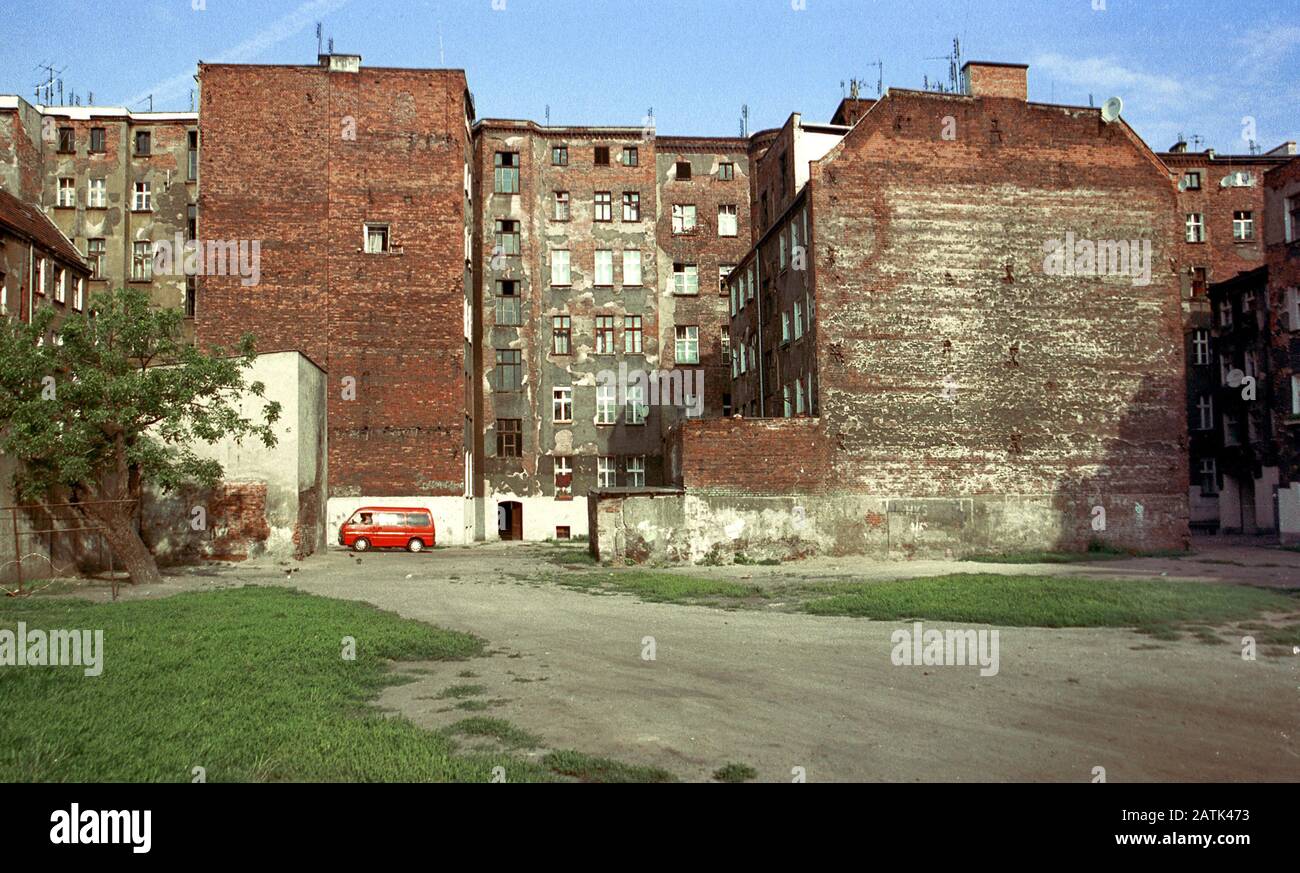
{"x": 365, "y": 518}
{"x": 417, "y": 519}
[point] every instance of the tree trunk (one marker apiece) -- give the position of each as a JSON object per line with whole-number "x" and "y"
{"x": 128, "y": 549}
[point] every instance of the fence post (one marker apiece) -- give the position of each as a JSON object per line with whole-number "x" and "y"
{"x": 18, "y": 554}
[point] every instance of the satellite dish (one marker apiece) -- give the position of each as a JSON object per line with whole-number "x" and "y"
{"x": 1111, "y": 109}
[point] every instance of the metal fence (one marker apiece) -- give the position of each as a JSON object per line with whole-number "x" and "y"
{"x": 61, "y": 541}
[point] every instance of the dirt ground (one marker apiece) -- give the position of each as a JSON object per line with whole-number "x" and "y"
{"x": 779, "y": 690}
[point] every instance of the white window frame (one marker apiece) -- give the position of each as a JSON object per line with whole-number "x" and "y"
{"x": 561, "y": 271}
{"x": 377, "y": 238}
{"x": 686, "y": 344}
{"x": 631, "y": 267}
{"x": 142, "y": 265}
{"x": 1243, "y": 229}
{"x": 606, "y": 471}
{"x": 562, "y": 405}
{"x": 604, "y": 268}
{"x": 1200, "y": 346}
{"x": 635, "y": 467}
{"x": 61, "y": 286}
{"x": 787, "y": 408}
{"x": 606, "y": 404}
{"x": 636, "y": 406}
{"x": 685, "y": 218}
{"x": 142, "y": 201}
{"x": 728, "y": 219}
{"x": 67, "y": 193}
{"x": 96, "y": 193}
{"x": 563, "y": 465}
{"x": 686, "y": 281}
{"x": 1195, "y": 227}
{"x": 798, "y": 320}
{"x": 1205, "y": 412}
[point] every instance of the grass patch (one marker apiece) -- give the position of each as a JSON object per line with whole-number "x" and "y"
{"x": 660, "y": 587}
{"x": 1050, "y": 601}
{"x": 1095, "y": 552}
{"x": 734, "y": 772}
{"x": 248, "y": 683}
{"x": 586, "y": 768}
{"x": 459, "y": 692}
{"x": 494, "y": 728}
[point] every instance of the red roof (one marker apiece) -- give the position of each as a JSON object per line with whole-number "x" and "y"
{"x": 32, "y": 224}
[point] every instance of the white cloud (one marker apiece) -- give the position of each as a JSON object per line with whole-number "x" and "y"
{"x": 1265, "y": 47}
{"x": 1106, "y": 76}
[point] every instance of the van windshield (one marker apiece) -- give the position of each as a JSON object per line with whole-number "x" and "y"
{"x": 361, "y": 518}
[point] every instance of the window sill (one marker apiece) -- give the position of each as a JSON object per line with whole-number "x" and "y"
{"x": 564, "y": 497}
{"x": 65, "y": 206}
{"x": 96, "y": 208}
{"x": 554, "y": 286}
{"x": 568, "y": 421}
{"x": 140, "y": 281}
{"x": 141, "y": 211}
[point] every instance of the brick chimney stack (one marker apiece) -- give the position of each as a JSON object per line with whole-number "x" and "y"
{"x": 990, "y": 79}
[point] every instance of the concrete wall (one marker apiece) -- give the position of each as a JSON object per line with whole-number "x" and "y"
{"x": 1288, "y": 505}
{"x": 271, "y": 501}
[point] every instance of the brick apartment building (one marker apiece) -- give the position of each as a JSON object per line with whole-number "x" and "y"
{"x": 968, "y": 393}
{"x": 602, "y": 253}
{"x": 1282, "y": 242}
{"x": 114, "y": 182}
{"x": 1221, "y": 203}
{"x": 357, "y": 183}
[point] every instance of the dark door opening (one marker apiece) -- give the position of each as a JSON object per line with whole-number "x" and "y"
{"x": 510, "y": 520}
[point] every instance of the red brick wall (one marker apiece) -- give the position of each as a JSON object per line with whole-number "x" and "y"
{"x": 928, "y": 261}
{"x": 753, "y": 456}
{"x": 276, "y": 166}
{"x": 997, "y": 80}
{"x": 1284, "y": 339}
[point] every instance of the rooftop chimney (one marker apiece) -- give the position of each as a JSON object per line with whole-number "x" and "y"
{"x": 991, "y": 79}
{"x": 340, "y": 63}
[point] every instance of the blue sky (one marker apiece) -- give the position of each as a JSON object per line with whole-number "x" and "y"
{"x": 1191, "y": 66}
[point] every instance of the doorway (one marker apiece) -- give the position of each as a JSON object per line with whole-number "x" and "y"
{"x": 510, "y": 520}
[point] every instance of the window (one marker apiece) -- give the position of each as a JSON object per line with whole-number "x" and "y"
{"x": 636, "y": 405}
{"x": 603, "y": 207}
{"x": 1243, "y": 225}
{"x": 726, "y": 171}
{"x": 632, "y": 334}
{"x": 560, "y": 267}
{"x": 686, "y": 279}
{"x": 630, "y": 156}
{"x": 1205, "y": 413}
{"x": 507, "y": 303}
{"x": 560, "y": 334}
{"x": 734, "y": 289}
{"x": 1247, "y": 300}
{"x": 1292, "y": 219}
{"x": 67, "y": 140}
{"x": 1192, "y": 180}
{"x": 744, "y": 358}
{"x": 604, "y": 267}
{"x": 1224, "y": 366}
{"x": 1231, "y": 430}
{"x": 781, "y": 247}
{"x": 604, "y": 334}
{"x": 97, "y": 142}
{"x": 67, "y": 192}
{"x": 563, "y": 476}
{"x": 79, "y": 294}
{"x": 631, "y": 206}
{"x": 601, "y": 156}
{"x": 1209, "y": 477}
{"x": 191, "y": 296}
{"x": 636, "y": 471}
{"x": 724, "y": 270}
{"x": 509, "y": 369}
{"x": 509, "y": 438}
{"x": 606, "y": 411}
{"x": 1195, "y": 227}
{"x": 561, "y": 205}
{"x": 631, "y": 267}
{"x": 683, "y": 217}
{"x": 560, "y": 156}
{"x": 505, "y": 176}
{"x": 96, "y": 196}
{"x": 1200, "y": 347}
{"x": 807, "y": 296}
{"x": 376, "y": 238}
{"x": 507, "y": 236}
{"x": 142, "y": 261}
{"x": 61, "y": 286}
{"x": 562, "y": 405}
{"x": 1225, "y": 314}
{"x": 193, "y": 140}
{"x": 726, "y": 406}
{"x": 143, "y": 201}
{"x": 798, "y": 320}
{"x": 785, "y": 327}
{"x": 606, "y": 472}
{"x": 1292, "y": 303}
{"x": 750, "y": 283}
{"x": 1295, "y": 395}
{"x": 683, "y": 170}
{"x": 798, "y": 397}
{"x": 1200, "y": 282}
{"x": 40, "y": 277}
{"x": 726, "y": 220}
{"x": 143, "y": 142}
{"x": 690, "y": 399}
{"x": 562, "y": 532}
{"x": 192, "y": 221}
{"x": 787, "y": 408}
{"x": 95, "y": 255}
{"x": 687, "y": 348}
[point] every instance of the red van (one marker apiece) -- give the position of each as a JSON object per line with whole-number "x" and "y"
{"x": 393, "y": 527}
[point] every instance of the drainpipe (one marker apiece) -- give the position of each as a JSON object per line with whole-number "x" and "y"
{"x": 758, "y": 300}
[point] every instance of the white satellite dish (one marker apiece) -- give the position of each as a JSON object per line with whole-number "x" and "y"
{"x": 1111, "y": 109}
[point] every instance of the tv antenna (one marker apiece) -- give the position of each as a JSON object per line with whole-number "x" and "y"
{"x": 954, "y": 70}
{"x": 318, "y": 38}
{"x": 744, "y": 120}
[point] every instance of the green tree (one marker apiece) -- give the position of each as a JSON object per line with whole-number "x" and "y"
{"x": 98, "y": 404}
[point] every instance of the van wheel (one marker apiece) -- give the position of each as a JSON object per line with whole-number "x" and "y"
{"x": 362, "y": 544}
{"x": 416, "y": 545}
